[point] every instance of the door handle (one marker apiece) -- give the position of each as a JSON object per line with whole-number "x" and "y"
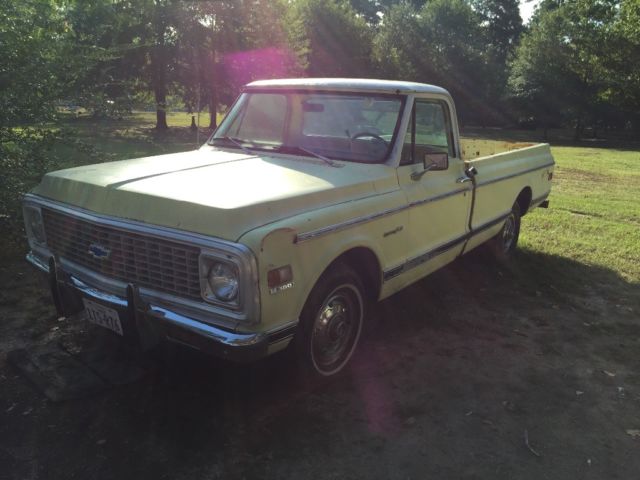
{"x": 464, "y": 179}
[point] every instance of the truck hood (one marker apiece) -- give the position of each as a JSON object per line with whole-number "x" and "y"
{"x": 214, "y": 192}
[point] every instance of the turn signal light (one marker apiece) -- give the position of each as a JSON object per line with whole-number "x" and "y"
{"x": 279, "y": 277}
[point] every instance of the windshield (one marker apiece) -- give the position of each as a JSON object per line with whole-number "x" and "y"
{"x": 352, "y": 127}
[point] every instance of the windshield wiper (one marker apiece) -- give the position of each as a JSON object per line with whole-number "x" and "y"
{"x": 292, "y": 148}
{"x": 236, "y": 142}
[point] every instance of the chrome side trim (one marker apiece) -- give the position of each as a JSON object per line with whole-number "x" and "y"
{"x": 248, "y": 312}
{"x": 490, "y": 223}
{"x": 445, "y": 247}
{"x": 513, "y": 175}
{"x": 420, "y": 259}
{"x": 283, "y": 332}
{"x": 438, "y": 197}
{"x": 302, "y": 237}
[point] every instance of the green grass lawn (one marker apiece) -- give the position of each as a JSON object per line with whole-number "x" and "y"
{"x": 593, "y": 220}
{"x": 588, "y": 242}
{"x": 595, "y": 210}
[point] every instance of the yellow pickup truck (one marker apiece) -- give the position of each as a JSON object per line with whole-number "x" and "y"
{"x": 313, "y": 199}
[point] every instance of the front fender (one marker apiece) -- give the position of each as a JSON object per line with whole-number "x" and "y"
{"x": 308, "y": 260}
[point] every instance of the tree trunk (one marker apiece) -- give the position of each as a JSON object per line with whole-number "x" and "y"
{"x": 578, "y": 133}
{"x": 213, "y": 108}
{"x": 161, "y": 107}
{"x": 159, "y": 69}
{"x": 160, "y": 87}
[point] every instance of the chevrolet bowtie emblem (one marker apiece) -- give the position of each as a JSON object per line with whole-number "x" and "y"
{"x": 98, "y": 251}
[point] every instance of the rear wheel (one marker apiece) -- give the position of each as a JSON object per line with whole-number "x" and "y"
{"x": 505, "y": 242}
{"x": 331, "y": 321}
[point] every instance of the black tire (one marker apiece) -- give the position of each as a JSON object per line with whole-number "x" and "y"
{"x": 331, "y": 322}
{"x": 504, "y": 243}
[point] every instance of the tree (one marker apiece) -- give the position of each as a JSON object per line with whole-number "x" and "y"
{"x": 502, "y": 26}
{"x": 442, "y": 43}
{"x": 622, "y": 64}
{"x": 33, "y": 71}
{"x": 34, "y": 76}
{"x": 329, "y": 39}
{"x": 225, "y": 44}
{"x": 373, "y": 11}
{"x": 400, "y": 49}
{"x": 105, "y": 55}
{"x": 452, "y": 29}
{"x": 131, "y": 47}
{"x": 161, "y": 41}
{"x": 558, "y": 73}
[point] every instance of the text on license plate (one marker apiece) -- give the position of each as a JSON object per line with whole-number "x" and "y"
{"x": 103, "y": 316}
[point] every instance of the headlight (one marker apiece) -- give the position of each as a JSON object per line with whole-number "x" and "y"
{"x": 220, "y": 280}
{"x": 229, "y": 281}
{"x": 34, "y": 226}
{"x": 223, "y": 281}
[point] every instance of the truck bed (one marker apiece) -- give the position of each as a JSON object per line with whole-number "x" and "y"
{"x": 473, "y": 148}
{"x": 506, "y": 171}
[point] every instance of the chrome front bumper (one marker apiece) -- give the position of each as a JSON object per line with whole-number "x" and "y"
{"x": 148, "y": 324}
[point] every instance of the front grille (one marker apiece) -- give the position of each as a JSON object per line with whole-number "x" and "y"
{"x": 143, "y": 260}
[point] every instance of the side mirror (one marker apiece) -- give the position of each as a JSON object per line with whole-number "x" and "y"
{"x": 432, "y": 161}
{"x": 435, "y": 161}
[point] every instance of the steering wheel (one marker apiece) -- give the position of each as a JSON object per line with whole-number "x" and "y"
{"x": 369, "y": 134}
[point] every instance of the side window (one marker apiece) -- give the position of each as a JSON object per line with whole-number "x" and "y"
{"x": 429, "y": 132}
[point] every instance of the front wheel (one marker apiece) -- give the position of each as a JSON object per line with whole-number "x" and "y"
{"x": 331, "y": 321}
{"x": 505, "y": 242}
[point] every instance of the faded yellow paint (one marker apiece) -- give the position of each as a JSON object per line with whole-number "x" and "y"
{"x": 213, "y": 192}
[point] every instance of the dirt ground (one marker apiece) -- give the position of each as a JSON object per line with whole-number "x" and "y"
{"x": 477, "y": 372}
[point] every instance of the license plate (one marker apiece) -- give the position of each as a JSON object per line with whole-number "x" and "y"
{"x": 103, "y": 316}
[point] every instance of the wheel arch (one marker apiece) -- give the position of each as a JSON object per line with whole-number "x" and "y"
{"x": 367, "y": 265}
{"x": 524, "y": 200}
{"x": 364, "y": 261}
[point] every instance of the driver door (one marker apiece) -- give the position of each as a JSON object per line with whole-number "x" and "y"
{"x": 439, "y": 199}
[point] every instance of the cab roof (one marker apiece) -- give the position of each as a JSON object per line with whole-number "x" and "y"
{"x": 347, "y": 85}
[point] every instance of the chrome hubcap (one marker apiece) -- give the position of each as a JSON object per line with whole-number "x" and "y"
{"x": 336, "y": 329}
